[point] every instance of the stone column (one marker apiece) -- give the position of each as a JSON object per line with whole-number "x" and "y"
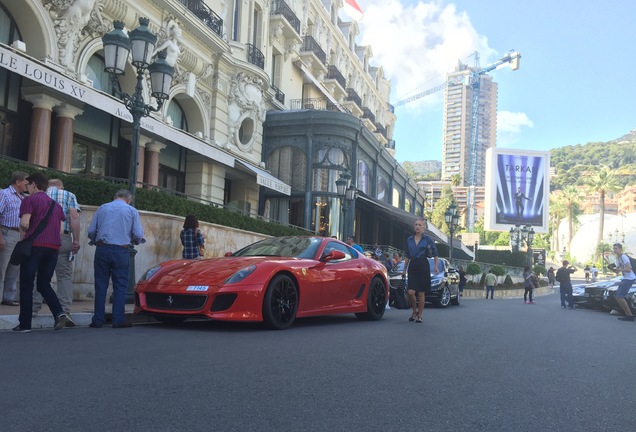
{"x": 39, "y": 141}
{"x": 151, "y": 172}
{"x": 63, "y": 139}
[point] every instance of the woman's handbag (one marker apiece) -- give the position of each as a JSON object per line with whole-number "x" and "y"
{"x": 401, "y": 298}
{"x": 22, "y": 250}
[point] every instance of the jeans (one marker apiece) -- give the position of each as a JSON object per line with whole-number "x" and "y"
{"x": 566, "y": 293}
{"x": 527, "y": 293}
{"x": 9, "y": 273}
{"x": 490, "y": 289}
{"x": 64, "y": 276}
{"x": 111, "y": 261}
{"x": 42, "y": 261}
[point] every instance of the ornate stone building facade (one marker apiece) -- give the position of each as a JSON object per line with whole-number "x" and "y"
{"x": 241, "y": 66}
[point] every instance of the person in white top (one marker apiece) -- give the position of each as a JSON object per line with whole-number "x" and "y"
{"x": 624, "y": 266}
{"x": 594, "y": 273}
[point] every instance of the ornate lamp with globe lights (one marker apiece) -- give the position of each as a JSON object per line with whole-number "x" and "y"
{"x": 140, "y": 45}
{"x": 451, "y": 216}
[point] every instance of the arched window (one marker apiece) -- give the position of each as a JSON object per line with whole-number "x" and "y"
{"x": 10, "y": 83}
{"x": 95, "y": 72}
{"x": 363, "y": 183}
{"x": 177, "y": 115}
{"x": 396, "y": 197}
{"x": 289, "y": 164}
{"x": 382, "y": 189}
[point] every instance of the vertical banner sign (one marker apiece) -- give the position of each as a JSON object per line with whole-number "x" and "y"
{"x": 517, "y": 189}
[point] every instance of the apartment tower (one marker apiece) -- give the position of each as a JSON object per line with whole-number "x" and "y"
{"x": 458, "y": 123}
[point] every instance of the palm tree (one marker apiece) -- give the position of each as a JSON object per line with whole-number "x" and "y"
{"x": 558, "y": 212}
{"x": 602, "y": 181}
{"x": 456, "y": 180}
{"x": 571, "y": 198}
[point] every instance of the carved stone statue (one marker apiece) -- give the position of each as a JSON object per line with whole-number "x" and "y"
{"x": 73, "y": 20}
{"x": 169, "y": 41}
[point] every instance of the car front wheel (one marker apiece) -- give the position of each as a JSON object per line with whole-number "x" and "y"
{"x": 280, "y": 303}
{"x": 376, "y": 301}
{"x": 444, "y": 297}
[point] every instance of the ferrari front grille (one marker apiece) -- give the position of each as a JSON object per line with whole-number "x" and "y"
{"x": 175, "y": 301}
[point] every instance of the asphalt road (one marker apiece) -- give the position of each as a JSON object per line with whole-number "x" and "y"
{"x": 487, "y": 365}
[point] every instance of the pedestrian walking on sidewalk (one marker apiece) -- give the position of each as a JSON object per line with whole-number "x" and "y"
{"x": 624, "y": 266}
{"x": 490, "y": 282}
{"x": 114, "y": 228}
{"x": 36, "y": 210}
{"x": 565, "y": 284}
{"x": 10, "y": 201}
{"x": 528, "y": 284}
{"x": 416, "y": 263}
{"x": 66, "y": 255}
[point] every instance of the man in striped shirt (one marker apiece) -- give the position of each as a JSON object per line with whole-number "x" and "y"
{"x": 10, "y": 200}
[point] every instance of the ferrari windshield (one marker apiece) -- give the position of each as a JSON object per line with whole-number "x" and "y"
{"x": 291, "y": 247}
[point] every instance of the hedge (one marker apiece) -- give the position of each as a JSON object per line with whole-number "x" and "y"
{"x": 90, "y": 191}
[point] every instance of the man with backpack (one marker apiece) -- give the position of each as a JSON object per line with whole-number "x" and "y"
{"x": 624, "y": 265}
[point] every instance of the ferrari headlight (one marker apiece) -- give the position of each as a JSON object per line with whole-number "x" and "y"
{"x": 241, "y": 274}
{"x": 150, "y": 272}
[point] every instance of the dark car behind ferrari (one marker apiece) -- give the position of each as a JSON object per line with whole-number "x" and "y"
{"x": 609, "y": 299}
{"x": 444, "y": 284}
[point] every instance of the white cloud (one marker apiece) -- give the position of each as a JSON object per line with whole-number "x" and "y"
{"x": 416, "y": 43}
{"x": 509, "y": 125}
{"x": 512, "y": 122}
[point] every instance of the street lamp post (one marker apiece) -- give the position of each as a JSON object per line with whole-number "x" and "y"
{"x": 451, "y": 216}
{"x": 529, "y": 240}
{"x": 520, "y": 234}
{"x": 347, "y": 194}
{"x": 141, "y": 46}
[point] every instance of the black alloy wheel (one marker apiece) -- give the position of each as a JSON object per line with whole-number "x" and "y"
{"x": 376, "y": 301}
{"x": 280, "y": 303}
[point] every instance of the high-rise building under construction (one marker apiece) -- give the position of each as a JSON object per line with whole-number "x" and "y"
{"x": 457, "y": 154}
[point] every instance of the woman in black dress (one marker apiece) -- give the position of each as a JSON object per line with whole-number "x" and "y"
{"x": 417, "y": 250}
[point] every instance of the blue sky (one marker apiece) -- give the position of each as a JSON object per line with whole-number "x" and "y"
{"x": 576, "y": 83}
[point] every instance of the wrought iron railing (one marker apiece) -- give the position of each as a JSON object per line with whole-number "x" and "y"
{"x": 380, "y": 129}
{"x": 353, "y": 96}
{"x": 310, "y": 44}
{"x": 205, "y": 14}
{"x": 278, "y": 95}
{"x": 320, "y": 104}
{"x": 279, "y": 7}
{"x": 366, "y": 113}
{"x": 334, "y": 73}
{"x": 255, "y": 56}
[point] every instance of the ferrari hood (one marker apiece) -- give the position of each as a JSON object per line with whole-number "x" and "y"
{"x": 207, "y": 272}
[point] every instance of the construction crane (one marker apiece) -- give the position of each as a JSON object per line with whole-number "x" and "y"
{"x": 472, "y": 80}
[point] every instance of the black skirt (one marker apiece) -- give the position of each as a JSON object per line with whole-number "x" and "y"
{"x": 419, "y": 275}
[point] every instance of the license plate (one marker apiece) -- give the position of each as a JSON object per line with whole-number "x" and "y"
{"x": 198, "y": 288}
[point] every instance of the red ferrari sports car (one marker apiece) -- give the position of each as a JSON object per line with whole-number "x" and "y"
{"x": 273, "y": 281}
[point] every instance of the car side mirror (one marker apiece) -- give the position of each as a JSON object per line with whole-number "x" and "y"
{"x": 333, "y": 255}
{"x": 228, "y": 254}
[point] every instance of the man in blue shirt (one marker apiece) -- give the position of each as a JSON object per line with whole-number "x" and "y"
{"x": 351, "y": 241}
{"x": 114, "y": 228}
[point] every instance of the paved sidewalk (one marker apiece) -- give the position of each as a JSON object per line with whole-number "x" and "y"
{"x": 81, "y": 312}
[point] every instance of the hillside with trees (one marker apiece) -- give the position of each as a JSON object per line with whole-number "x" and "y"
{"x": 575, "y": 164}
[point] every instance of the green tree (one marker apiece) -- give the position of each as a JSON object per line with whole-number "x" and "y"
{"x": 571, "y": 198}
{"x": 456, "y": 180}
{"x": 602, "y": 181}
